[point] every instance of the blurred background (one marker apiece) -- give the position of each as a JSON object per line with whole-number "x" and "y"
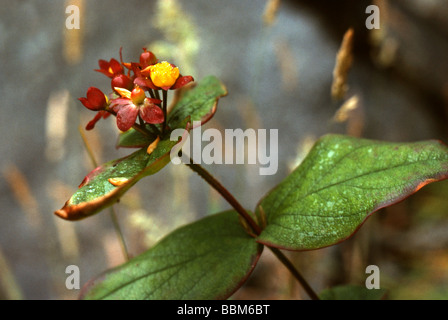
{"x": 277, "y": 59}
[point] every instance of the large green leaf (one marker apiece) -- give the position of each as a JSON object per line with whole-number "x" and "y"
{"x": 352, "y": 292}
{"x": 105, "y": 185}
{"x": 340, "y": 183}
{"x": 198, "y": 103}
{"x": 208, "y": 259}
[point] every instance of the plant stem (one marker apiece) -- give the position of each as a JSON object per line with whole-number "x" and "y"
{"x": 164, "y": 106}
{"x": 288, "y": 264}
{"x": 119, "y": 233}
{"x": 226, "y": 194}
{"x": 157, "y": 94}
{"x": 251, "y": 222}
{"x": 151, "y": 93}
{"x": 87, "y": 146}
{"x": 155, "y": 129}
{"x": 142, "y": 130}
{"x": 141, "y": 123}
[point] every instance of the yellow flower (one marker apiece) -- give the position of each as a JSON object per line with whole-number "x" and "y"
{"x": 163, "y": 74}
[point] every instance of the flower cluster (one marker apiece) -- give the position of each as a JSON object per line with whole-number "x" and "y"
{"x": 135, "y": 94}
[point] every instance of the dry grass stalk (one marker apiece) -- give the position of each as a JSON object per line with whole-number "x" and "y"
{"x": 270, "y": 12}
{"x": 344, "y": 60}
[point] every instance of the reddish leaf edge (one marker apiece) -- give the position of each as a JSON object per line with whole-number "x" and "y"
{"x": 205, "y": 118}
{"x": 413, "y": 190}
{"x": 83, "y": 210}
{"x": 213, "y": 110}
{"x": 243, "y": 280}
{"x": 85, "y": 289}
{"x": 102, "y": 276}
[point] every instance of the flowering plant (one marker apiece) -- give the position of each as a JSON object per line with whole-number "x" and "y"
{"x": 324, "y": 201}
{"x": 128, "y": 100}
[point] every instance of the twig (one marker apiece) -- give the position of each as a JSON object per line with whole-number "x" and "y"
{"x": 251, "y": 222}
{"x": 226, "y": 194}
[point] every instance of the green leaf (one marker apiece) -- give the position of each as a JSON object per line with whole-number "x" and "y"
{"x": 340, "y": 183}
{"x": 208, "y": 259}
{"x": 104, "y": 186}
{"x": 133, "y": 139}
{"x": 352, "y": 292}
{"x": 199, "y": 103}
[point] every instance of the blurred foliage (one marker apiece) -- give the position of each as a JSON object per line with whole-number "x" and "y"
{"x": 180, "y": 42}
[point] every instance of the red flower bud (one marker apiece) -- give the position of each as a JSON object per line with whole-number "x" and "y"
{"x": 122, "y": 81}
{"x": 96, "y": 100}
{"x": 147, "y": 58}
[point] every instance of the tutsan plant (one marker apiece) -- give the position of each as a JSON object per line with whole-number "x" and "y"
{"x": 340, "y": 183}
